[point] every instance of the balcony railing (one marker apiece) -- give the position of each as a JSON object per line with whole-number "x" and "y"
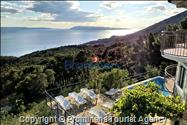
{"x": 170, "y": 74}
{"x": 174, "y": 43}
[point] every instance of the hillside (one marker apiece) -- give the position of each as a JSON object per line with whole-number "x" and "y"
{"x": 155, "y": 28}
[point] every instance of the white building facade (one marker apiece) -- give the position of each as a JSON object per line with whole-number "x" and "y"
{"x": 174, "y": 47}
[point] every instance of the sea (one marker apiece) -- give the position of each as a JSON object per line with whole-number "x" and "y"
{"x": 20, "y": 41}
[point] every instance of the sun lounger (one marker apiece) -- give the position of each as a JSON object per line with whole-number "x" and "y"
{"x": 77, "y": 98}
{"x": 63, "y": 102}
{"x": 89, "y": 93}
{"x": 112, "y": 92}
{"x": 108, "y": 105}
{"x": 97, "y": 112}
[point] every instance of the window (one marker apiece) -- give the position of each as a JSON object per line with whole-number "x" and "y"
{"x": 182, "y": 76}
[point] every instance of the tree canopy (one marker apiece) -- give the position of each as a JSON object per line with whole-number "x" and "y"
{"x": 184, "y": 24}
{"x": 146, "y": 101}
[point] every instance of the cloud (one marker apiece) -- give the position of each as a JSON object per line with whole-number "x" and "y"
{"x": 117, "y": 4}
{"x": 13, "y": 7}
{"x": 166, "y": 10}
{"x": 9, "y": 10}
{"x": 144, "y": 2}
{"x": 69, "y": 13}
{"x": 64, "y": 11}
{"x": 110, "y": 4}
{"x": 7, "y": 7}
{"x": 41, "y": 17}
{"x": 156, "y": 9}
{"x": 161, "y": 8}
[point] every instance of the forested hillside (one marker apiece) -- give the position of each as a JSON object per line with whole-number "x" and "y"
{"x": 27, "y": 77}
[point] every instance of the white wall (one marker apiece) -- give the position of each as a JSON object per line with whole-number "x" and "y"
{"x": 184, "y": 89}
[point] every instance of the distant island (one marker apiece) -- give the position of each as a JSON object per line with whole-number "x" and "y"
{"x": 95, "y": 28}
{"x": 72, "y": 28}
{"x": 15, "y": 29}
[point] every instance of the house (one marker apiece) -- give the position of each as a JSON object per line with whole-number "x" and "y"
{"x": 174, "y": 47}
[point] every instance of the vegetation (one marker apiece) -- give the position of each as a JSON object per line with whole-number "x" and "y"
{"x": 151, "y": 71}
{"x": 172, "y": 27}
{"x": 102, "y": 82}
{"x": 175, "y": 27}
{"x": 184, "y": 24}
{"x": 34, "y": 110}
{"x": 24, "y": 79}
{"x": 147, "y": 101}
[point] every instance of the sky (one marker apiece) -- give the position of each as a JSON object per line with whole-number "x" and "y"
{"x": 66, "y": 14}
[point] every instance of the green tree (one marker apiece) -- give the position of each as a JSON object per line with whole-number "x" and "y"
{"x": 81, "y": 56}
{"x": 95, "y": 79}
{"x": 147, "y": 101}
{"x": 33, "y": 83}
{"x": 151, "y": 71}
{"x": 151, "y": 40}
{"x": 173, "y": 27}
{"x": 184, "y": 24}
{"x": 115, "y": 79}
{"x": 50, "y": 76}
{"x": 103, "y": 81}
{"x": 20, "y": 107}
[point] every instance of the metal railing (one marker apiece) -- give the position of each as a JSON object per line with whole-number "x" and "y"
{"x": 170, "y": 77}
{"x": 174, "y": 43}
{"x": 170, "y": 73}
{"x": 60, "y": 111}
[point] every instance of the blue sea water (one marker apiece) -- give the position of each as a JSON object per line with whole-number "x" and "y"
{"x": 18, "y": 42}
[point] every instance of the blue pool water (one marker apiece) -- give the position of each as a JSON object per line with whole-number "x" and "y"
{"x": 158, "y": 80}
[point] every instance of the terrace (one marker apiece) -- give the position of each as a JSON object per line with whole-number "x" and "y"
{"x": 88, "y": 104}
{"x": 174, "y": 45}
{"x": 72, "y": 107}
{"x": 170, "y": 81}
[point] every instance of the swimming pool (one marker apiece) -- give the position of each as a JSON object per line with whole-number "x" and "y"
{"x": 159, "y": 80}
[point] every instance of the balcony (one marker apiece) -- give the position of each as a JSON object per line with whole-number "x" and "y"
{"x": 170, "y": 81}
{"x": 174, "y": 45}
{"x": 170, "y": 73}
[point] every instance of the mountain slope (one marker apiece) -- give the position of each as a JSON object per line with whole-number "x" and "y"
{"x": 155, "y": 28}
